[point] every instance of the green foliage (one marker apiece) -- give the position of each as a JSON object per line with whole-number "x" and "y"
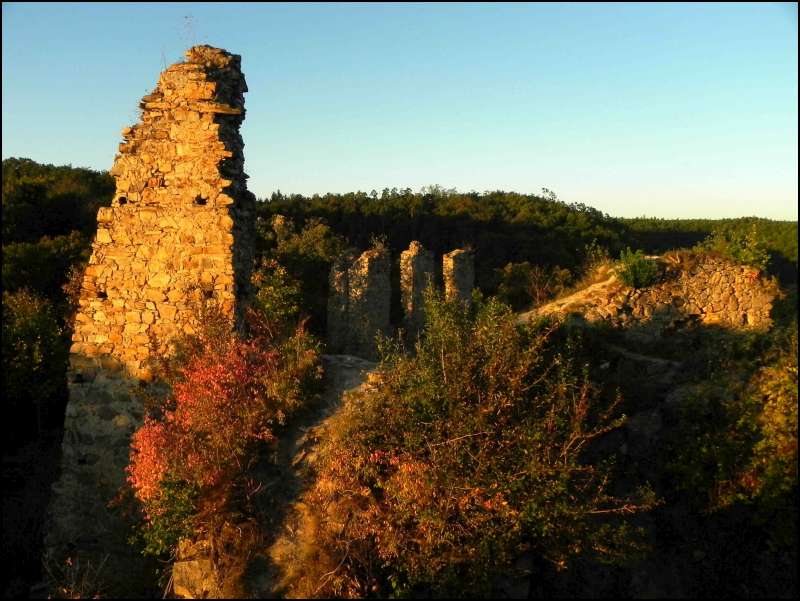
{"x": 743, "y": 247}
{"x": 525, "y": 285}
{"x": 635, "y": 270}
{"x": 171, "y": 518}
{"x": 779, "y": 238}
{"x": 737, "y": 443}
{"x": 43, "y": 265}
{"x": 48, "y": 220}
{"x": 277, "y": 294}
{"x": 34, "y": 362}
{"x": 295, "y": 266}
{"x": 457, "y": 460}
{"x": 44, "y": 200}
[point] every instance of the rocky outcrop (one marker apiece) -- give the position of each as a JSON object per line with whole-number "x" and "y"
{"x": 180, "y": 229}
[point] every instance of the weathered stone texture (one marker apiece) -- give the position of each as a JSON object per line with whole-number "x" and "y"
{"x": 707, "y": 290}
{"x": 359, "y": 303}
{"x": 416, "y": 274}
{"x": 180, "y": 226}
{"x": 458, "y": 272}
{"x": 338, "y": 301}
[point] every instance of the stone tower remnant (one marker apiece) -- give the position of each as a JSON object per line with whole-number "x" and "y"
{"x": 359, "y": 303}
{"x": 180, "y": 226}
{"x": 458, "y": 273}
{"x": 416, "y": 274}
{"x": 338, "y": 302}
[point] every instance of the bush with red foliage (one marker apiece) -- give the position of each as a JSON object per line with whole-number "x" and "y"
{"x": 229, "y": 392}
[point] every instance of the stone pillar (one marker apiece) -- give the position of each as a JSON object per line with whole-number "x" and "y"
{"x": 458, "y": 272}
{"x": 338, "y": 300}
{"x": 180, "y": 226}
{"x": 358, "y": 303}
{"x": 416, "y": 274}
{"x": 368, "y": 302}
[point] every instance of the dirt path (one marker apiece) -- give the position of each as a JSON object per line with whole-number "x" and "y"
{"x": 285, "y": 480}
{"x": 573, "y": 301}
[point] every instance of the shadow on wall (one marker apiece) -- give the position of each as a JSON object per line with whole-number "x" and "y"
{"x": 88, "y": 523}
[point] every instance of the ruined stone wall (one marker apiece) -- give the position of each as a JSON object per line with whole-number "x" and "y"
{"x": 700, "y": 288}
{"x": 338, "y": 302}
{"x": 458, "y": 273}
{"x": 416, "y": 274}
{"x": 711, "y": 291}
{"x": 359, "y": 303}
{"x": 360, "y": 294}
{"x": 180, "y": 227}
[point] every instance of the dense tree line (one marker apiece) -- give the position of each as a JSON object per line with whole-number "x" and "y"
{"x": 779, "y": 238}
{"x": 49, "y": 218}
{"x": 526, "y": 245}
{"x": 501, "y": 227}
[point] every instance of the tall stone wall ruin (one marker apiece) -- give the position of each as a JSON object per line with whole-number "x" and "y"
{"x": 360, "y": 295}
{"x": 458, "y": 273}
{"x": 180, "y": 228}
{"x": 359, "y": 303}
{"x": 416, "y": 274}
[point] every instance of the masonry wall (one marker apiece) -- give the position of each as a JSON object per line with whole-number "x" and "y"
{"x": 458, "y": 273}
{"x": 416, "y": 274}
{"x": 359, "y": 303}
{"x": 180, "y": 229}
{"x": 703, "y": 289}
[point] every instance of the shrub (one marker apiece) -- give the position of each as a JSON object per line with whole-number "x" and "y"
{"x": 34, "y": 361}
{"x": 738, "y": 441}
{"x": 461, "y": 458}
{"x": 524, "y": 284}
{"x": 294, "y": 259}
{"x": 277, "y": 294}
{"x": 75, "y": 578}
{"x": 229, "y": 393}
{"x": 743, "y": 246}
{"x": 635, "y": 270}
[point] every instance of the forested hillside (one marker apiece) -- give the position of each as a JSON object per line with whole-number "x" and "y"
{"x": 528, "y": 249}
{"x": 525, "y": 245}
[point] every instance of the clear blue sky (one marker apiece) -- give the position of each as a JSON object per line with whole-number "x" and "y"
{"x": 674, "y": 110}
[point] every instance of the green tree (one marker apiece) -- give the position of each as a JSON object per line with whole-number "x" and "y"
{"x": 34, "y": 363}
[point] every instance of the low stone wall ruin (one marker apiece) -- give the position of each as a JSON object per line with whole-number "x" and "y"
{"x": 702, "y": 289}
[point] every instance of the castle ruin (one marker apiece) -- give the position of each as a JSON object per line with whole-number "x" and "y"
{"x": 416, "y": 274}
{"x": 360, "y": 294}
{"x": 458, "y": 273}
{"x": 180, "y": 229}
{"x": 358, "y": 303}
